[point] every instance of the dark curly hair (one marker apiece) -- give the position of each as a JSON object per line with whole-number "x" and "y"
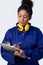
{"x": 26, "y": 5}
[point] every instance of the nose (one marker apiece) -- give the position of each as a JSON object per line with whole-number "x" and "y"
{"x": 22, "y": 18}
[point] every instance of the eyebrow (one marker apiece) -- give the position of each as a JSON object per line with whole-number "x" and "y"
{"x": 21, "y": 15}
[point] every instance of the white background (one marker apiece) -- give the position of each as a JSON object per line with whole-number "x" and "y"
{"x": 8, "y": 18}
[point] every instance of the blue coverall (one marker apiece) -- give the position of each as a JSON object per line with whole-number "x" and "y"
{"x": 32, "y": 44}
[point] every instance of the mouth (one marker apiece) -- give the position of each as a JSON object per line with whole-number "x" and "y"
{"x": 22, "y": 22}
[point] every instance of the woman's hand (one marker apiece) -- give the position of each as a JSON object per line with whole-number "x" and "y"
{"x": 16, "y": 52}
{"x": 16, "y": 46}
{"x": 19, "y": 52}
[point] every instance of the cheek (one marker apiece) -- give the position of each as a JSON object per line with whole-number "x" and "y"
{"x": 19, "y": 19}
{"x": 25, "y": 20}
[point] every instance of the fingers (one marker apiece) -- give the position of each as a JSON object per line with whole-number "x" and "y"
{"x": 19, "y": 53}
{"x": 16, "y": 46}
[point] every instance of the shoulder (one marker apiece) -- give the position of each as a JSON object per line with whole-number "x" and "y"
{"x": 10, "y": 31}
{"x": 36, "y": 30}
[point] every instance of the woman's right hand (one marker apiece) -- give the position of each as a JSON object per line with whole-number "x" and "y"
{"x": 16, "y": 46}
{"x": 19, "y": 52}
{"x": 16, "y": 52}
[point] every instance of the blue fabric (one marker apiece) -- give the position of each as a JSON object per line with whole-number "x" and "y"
{"x": 32, "y": 44}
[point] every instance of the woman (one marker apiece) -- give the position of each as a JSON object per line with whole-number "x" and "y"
{"x": 29, "y": 36}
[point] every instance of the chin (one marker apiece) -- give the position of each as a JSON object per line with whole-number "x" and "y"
{"x": 23, "y": 24}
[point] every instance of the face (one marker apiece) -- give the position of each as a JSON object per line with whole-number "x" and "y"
{"x": 23, "y": 17}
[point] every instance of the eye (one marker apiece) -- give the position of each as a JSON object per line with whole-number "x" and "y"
{"x": 19, "y": 15}
{"x": 25, "y": 16}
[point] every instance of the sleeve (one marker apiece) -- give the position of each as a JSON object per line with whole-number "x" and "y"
{"x": 8, "y": 56}
{"x": 37, "y": 53}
